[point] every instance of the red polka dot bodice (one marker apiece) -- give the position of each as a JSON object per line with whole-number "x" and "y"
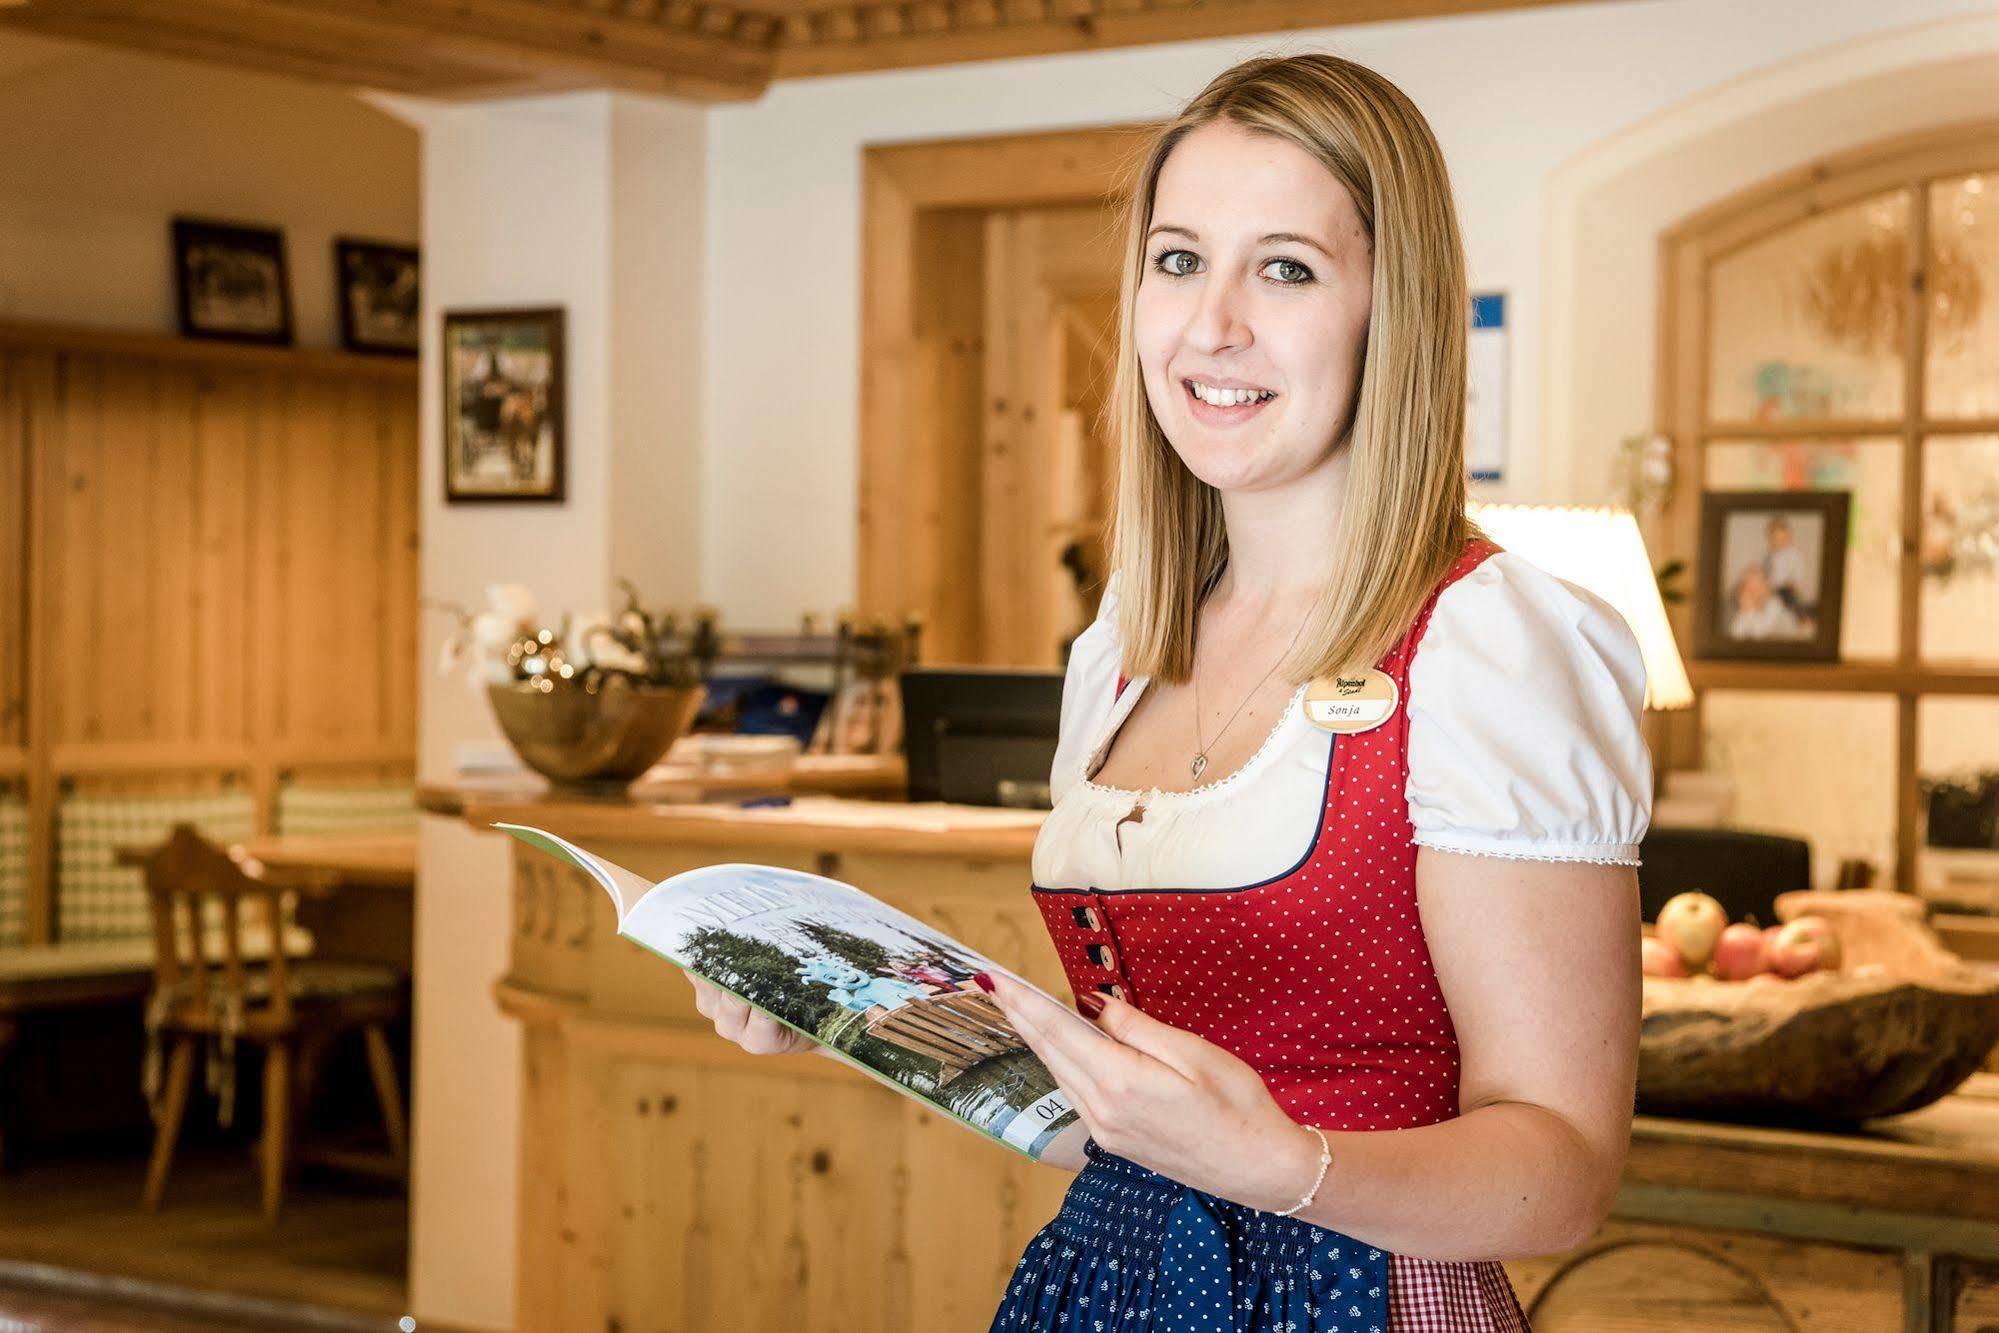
{"x": 1320, "y": 978}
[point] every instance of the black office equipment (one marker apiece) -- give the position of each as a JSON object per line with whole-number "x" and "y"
{"x": 1741, "y": 869}
{"x": 968, "y": 729}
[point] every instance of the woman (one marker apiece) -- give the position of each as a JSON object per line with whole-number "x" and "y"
{"x": 1419, "y": 938}
{"x": 1361, "y": 918}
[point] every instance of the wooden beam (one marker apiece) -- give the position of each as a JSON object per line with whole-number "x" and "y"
{"x": 1055, "y": 28}
{"x": 441, "y": 47}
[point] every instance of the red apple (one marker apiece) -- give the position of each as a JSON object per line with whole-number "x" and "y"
{"x": 1804, "y": 945}
{"x": 1660, "y": 959}
{"x": 1738, "y": 954}
{"x": 1692, "y": 923}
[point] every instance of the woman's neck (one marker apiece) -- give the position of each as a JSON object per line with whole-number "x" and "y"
{"x": 1281, "y": 541}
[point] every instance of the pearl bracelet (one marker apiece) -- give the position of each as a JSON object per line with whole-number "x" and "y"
{"x": 1325, "y": 1160}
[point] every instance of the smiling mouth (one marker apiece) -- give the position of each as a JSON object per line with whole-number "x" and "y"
{"x": 1226, "y": 399}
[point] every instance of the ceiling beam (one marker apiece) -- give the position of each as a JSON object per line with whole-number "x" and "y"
{"x": 438, "y": 47}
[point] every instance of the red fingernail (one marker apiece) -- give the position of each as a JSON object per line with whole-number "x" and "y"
{"x": 1090, "y": 1003}
{"x": 985, "y": 982}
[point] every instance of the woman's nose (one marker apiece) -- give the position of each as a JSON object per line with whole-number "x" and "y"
{"x": 1220, "y": 320}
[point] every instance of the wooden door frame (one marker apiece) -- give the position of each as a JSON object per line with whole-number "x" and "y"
{"x": 1686, "y": 251}
{"x": 915, "y": 195}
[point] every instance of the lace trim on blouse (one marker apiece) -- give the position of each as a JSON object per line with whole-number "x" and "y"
{"x": 1247, "y": 768}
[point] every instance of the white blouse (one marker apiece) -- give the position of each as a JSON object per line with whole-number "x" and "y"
{"x": 1524, "y": 699}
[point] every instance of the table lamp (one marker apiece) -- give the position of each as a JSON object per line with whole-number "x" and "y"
{"x": 1600, "y": 549}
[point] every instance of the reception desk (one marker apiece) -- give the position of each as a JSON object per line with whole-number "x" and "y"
{"x": 672, "y": 1181}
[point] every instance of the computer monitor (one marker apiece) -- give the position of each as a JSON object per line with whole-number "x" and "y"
{"x": 967, "y": 729}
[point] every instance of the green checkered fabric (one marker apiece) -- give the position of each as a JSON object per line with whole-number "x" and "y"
{"x": 13, "y": 870}
{"x": 375, "y": 809}
{"x": 97, "y": 899}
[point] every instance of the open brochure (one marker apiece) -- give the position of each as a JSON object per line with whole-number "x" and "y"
{"x": 879, "y": 988}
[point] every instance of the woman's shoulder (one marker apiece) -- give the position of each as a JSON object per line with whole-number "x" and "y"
{"x": 1526, "y": 698}
{"x": 1505, "y": 605}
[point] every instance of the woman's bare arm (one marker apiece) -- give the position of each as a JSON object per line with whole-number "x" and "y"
{"x": 1538, "y": 962}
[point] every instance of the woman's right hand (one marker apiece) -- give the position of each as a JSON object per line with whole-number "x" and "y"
{"x": 752, "y": 1029}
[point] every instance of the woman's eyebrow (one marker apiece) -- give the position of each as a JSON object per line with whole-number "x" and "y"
{"x": 1268, "y": 238}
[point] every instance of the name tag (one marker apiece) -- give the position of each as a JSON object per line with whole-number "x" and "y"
{"x": 1351, "y": 701}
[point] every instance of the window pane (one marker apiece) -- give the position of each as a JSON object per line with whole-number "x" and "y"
{"x": 1961, "y": 549}
{"x": 1871, "y": 470}
{"x": 1958, "y": 747}
{"x": 1808, "y": 322}
{"x": 1809, "y": 764}
{"x": 1962, "y": 376}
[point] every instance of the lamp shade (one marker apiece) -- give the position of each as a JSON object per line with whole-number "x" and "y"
{"x": 1601, "y": 550}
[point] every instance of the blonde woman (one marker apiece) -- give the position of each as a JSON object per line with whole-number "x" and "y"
{"x": 1347, "y": 798}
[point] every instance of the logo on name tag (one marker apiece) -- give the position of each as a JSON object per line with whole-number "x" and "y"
{"x": 1350, "y": 701}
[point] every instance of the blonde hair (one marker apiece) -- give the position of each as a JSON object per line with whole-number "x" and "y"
{"x": 1404, "y": 519}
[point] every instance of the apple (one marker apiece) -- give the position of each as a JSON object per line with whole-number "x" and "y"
{"x": 1659, "y": 959}
{"x": 1692, "y": 923}
{"x": 1739, "y": 953}
{"x": 1804, "y": 945}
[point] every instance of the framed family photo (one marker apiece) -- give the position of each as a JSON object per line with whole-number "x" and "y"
{"x": 379, "y": 296}
{"x": 503, "y": 404}
{"x": 1773, "y": 567}
{"x": 231, "y": 281}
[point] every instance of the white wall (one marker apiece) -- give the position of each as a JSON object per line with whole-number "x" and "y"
{"x": 1513, "y": 97}
{"x": 99, "y": 148}
{"x": 593, "y": 202}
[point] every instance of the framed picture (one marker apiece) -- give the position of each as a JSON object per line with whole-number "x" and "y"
{"x": 1773, "y": 566}
{"x": 503, "y": 412}
{"x": 378, "y": 296}
{"x": 231, "y": 281}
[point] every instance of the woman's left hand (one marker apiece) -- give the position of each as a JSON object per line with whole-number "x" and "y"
{"x": 1168, "y": 1099}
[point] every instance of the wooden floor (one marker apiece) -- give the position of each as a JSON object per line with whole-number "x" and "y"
{"x": 340, "y": 1246}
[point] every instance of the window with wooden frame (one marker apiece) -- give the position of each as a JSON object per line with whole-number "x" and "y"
{"x": 1837, "y": 328}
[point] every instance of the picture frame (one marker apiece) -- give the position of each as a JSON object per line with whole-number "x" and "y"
{"x": 504, "y": 405}
{"x": 378, "y": 286}
{"x": 231, "y": 281}
{"x": 1772, "y": 575}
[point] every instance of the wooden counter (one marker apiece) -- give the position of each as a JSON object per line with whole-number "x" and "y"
{"x": 671, "y": 1180}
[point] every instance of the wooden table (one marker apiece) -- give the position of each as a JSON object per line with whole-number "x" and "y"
{"x": 654, "y": 1156}
{"x": 359, "y": 902}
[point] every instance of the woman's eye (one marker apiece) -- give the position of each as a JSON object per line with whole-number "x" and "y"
{"x": 1289, "y": 272}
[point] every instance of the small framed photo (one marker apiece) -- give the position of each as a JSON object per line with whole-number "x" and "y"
{"x": 503, "y": 411}
{"x": 378, "y": 296}
{"x": 1773, "y": 566}
{"x": 231, "y": 281}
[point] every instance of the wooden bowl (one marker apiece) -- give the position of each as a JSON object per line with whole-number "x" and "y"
{"x": 594, "y": 741}
{"x": 1902, "y": 1023}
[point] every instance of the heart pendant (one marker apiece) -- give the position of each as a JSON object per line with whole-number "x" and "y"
{"x": 1200, "y": 762}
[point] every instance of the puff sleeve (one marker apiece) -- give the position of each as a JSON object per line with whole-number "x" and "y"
{"x": 1089, "y": 688}
{"x": 1525, "y": 695}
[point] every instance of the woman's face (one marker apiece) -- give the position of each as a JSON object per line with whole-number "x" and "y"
{"x": 1258, "y": 275}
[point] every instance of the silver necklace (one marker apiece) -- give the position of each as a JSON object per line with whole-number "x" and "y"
{"x": 1199, "y": 763}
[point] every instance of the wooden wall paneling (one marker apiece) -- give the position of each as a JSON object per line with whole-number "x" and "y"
{"x": 888, "y": 276}
{"x": 175, "y": 607}
{"x": 395, "y": 617}
{"x": 16, "y": 492}
{"x": 225, "y": 466}
{"x": 211, "y": 556}
{"x": 36, "y": 381}
{"x": 942, "y": 460}
{"x": 1004, "y": 542}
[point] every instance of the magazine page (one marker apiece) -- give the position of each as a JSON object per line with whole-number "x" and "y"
{"x": 880, "y": 988}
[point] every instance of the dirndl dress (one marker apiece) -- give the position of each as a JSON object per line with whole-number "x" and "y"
{"x": 1368, "y": 1045}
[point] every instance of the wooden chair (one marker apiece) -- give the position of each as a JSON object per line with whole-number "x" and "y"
{"x": 293, "y": 1007}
